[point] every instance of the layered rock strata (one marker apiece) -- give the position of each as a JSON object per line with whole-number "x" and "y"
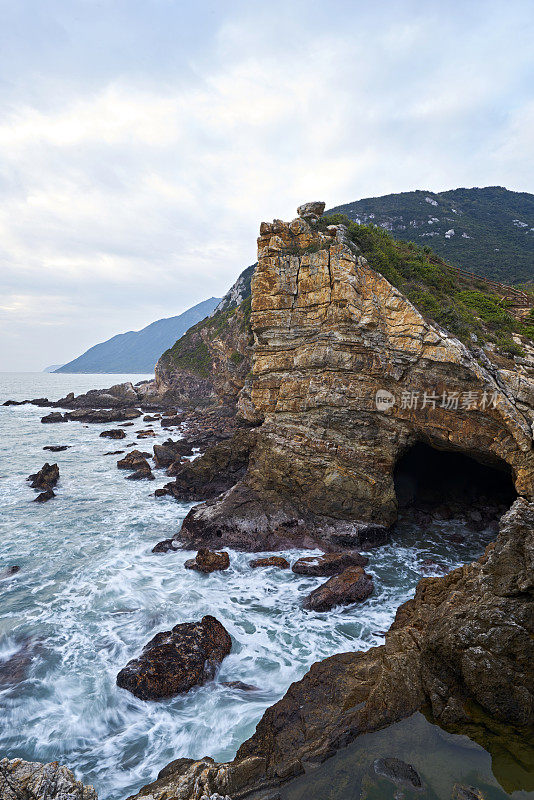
{"x": 347, "y": 376}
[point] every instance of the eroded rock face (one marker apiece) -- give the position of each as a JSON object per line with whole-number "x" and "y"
{"x": 464, "y": 639}
{"x": 26, "y": 780}
{"x": 46, "y": 478}
{"x": 174, "y": 661}
{"x": 270, "y": 561}
{"x": 353, "y": 585}
{"x": 347, "y": 375}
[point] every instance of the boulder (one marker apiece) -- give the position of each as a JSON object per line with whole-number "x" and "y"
{"x": 329, "y": 564}
{"x": 134, "y": 460}
{"x": 54, "y": 416}
{"x": 208, "y": 561}
{"x": 311, "y": 210}
{"x": 48, "y": 494}
{"x": 174, "y": 661}
{"x": 141, "y": 473}
{"x": 46, "y": 478}
{"x": 8, "y": 572}
{"x": 114, "y": 433}
{"x": 30, "y": 780}
{"x": 103, "y": 415}
{"x": 166, "y": 545}
{"x": 57, "y": 448}
{"x": 353, "y": 585}
{"x": 398, "y": 771}
{"x": 270, "y": 561}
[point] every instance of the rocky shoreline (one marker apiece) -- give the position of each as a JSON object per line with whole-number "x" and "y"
{"x": 304, "y": 452}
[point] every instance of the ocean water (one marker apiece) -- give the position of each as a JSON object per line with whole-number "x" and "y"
{"x": 90, "y": 594}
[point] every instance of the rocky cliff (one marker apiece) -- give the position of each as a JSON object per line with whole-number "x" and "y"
{"x": 210, "y": 362}
{"x": 463, "y": 648}
{"x": 347, "y": 376}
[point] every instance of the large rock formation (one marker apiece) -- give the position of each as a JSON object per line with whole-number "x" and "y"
{"x": 464, "y": 646}
{"x": 347, "y": 376}
{"x": 26, "y": 780}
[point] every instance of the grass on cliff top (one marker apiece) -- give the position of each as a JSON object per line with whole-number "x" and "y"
{"x": 463, "y": 306}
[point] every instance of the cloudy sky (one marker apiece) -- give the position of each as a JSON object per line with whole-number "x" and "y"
{"x": 142, "y": 141}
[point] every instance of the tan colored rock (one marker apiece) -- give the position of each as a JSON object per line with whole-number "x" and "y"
{"x": 331, "y": 336}
{"x": 22, "y": 780}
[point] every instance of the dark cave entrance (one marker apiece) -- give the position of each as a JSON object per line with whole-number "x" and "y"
{"x": 431, "y": 482}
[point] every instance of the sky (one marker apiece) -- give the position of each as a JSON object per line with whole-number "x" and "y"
{"x": 143, "y": 141}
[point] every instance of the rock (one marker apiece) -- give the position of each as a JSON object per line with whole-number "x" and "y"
{"x": 47, "y": 477}
{"x": 165, "y": 546}
{"x": 113, "y": 452}
{"x": 134, "y": 460}
{"x": 26, "y": 780}
{"x": 104, "y": 415}
{"x": 243, "y": 687}
{"x": 175, "y": 661}
{"x": 170, "y": 452}
{"x": 8, "y": 572}
{"x": 333, "y": 338}
{"x": 161, "y": 492}
{"x": 115, "y": 433}
{"x": 307, "y": 210}
{"x": 328, "y": 564}
{"x": 148, "y": 418}
{"x": 48, "y": 494}
{"x": 57, "y": 448}
{"x": 214, "y": 472}
{"x": 145, "y": 434}
{"x": 55, "y": 416}
{"x": 271, "y": 561}
{"x": 208, "y": 561}
{"x": 353, "y": 585}
{"x": 460, "y": 792}
{"x": 141, "y": 474}
{"x": 398, "y": 771}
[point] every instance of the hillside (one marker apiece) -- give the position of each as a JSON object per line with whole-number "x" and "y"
{"x": 138, "y": 351}
{"x": 489, "y": 231}
{"x": 212, "y": 357}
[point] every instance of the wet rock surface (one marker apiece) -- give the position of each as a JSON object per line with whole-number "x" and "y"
{"x": 398, "y": 771}
{"x": 115, "y": 433}
{"x": 46, "y": 478}
{"x": 270, "y": 561}
{"x": 464, "y": 642}
{"x": 214, "y": 472}
{"x": 43, "y": 497}
{"x": 208, "y": 561}
{"x": 174, "y": 661}
{"x": 26, "y": 780}
{"x": 57, "y": 448}
{"x": 353, "y": 585}
{"x": 93, "y": 415}
{"x": 328, "y": 564}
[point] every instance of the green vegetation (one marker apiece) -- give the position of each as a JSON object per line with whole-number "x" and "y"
{"x": 493, "y": 227}
{"x": 462, "y": 305}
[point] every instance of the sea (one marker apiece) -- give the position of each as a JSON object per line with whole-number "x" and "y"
{"x": 90, "y": 594}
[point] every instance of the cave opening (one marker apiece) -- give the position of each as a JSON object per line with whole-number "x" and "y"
{"x": 451, "y": 484}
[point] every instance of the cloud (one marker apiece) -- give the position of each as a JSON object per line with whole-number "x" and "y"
{"x": 135, "y": 190}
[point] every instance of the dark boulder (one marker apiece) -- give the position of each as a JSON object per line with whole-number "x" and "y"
{"x": 55, "y": 416}
{"x": 46, "y": 478}
{"x": 165, "y": 546}
{"x": 48, "y": 494}
{"x": 329, "y": 564}
{"x": 136, "y": 459}
{"x": 208, "y": 561}
{"x": 271, "y": 561}
{"x": 104, "y": 415}
{"x": 8, "y": 572}
{"x": 114, "y": 433}
{"x": 351, "y": 586}
{"x": 174, "y": 661}
{"x": 141, "y": 474}
{"x": 57, "y": 448}
{"x": 398, "y": 771}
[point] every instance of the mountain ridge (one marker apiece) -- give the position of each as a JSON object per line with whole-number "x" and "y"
{"x": 488, "y": 230}
{"x": 138, "y": 351}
